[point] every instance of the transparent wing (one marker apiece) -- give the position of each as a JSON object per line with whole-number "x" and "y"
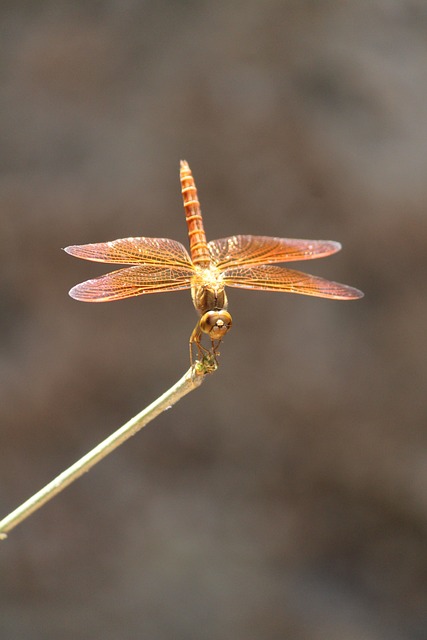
{"x": 160, "y": 251}
{"x": 253, "y": 250}
{"x": 272, "y": 278}
{"x": 132, "y": 281}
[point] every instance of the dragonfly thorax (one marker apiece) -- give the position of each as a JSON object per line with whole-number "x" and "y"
{"x": 207, "y": 291}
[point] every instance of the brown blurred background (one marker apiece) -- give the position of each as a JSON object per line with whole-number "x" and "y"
{"x": 286, "y": 498}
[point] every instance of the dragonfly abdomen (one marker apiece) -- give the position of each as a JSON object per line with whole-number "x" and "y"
{"x": 196, "y": 233}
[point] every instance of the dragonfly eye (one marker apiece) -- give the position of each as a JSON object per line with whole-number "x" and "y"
{"x": 216, "y": 323}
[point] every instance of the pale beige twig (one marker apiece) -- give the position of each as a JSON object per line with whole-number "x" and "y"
{"x": 192, "y": 379}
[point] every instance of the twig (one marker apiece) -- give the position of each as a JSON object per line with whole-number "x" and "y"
{"x": 190, "y": 381}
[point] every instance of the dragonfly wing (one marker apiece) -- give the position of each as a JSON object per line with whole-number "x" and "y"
{"x": 132, "y": 281}
{"x": 253, "y": 250}
{"x": 272, "y": 278}
{"x": 158, "y": 251}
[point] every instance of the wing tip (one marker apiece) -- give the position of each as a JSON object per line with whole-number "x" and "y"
{"x": 345, "y": 292}
{"x": 83, "y": 293}
{"x": 73, "y": 250}
{"x": 75, "y": 293}
{"x": 356, "y": 294}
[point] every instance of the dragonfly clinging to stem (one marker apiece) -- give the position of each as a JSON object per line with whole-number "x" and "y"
{"x": 247, "y": 262}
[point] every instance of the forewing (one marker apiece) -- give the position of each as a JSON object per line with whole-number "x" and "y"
{"x": 132, "y": 281}
{"x": 253, "y": 250}
{"x": 272, "y": 278}
{"x": 157, "y": 251}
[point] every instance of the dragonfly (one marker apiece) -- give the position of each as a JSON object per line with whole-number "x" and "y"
{"x": 242, "y": 261}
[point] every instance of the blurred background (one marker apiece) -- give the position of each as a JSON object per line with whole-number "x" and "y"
{"x": 287, "y": 497}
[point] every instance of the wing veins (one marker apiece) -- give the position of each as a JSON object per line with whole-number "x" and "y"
{"x": 273, "y": 278}
{"x": 132, "y": 281}
{"x": 155, "y": 251}
{"x": 256, "y": 250}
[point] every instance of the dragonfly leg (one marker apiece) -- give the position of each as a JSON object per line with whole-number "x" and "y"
{"x": 215, "y": 352}
{"x": 195, "y": 339}
{"x": 203, "y": 352}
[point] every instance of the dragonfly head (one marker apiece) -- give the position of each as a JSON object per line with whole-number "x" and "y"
{"x": 216, "y": 323}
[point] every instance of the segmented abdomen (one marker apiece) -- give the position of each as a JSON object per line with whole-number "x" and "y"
{"x": 196, "y": 233}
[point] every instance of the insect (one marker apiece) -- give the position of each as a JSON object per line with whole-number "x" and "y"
{"x": 161, "y": 264}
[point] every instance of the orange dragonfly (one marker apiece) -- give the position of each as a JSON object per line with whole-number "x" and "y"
{"x": 161, "y": 264}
